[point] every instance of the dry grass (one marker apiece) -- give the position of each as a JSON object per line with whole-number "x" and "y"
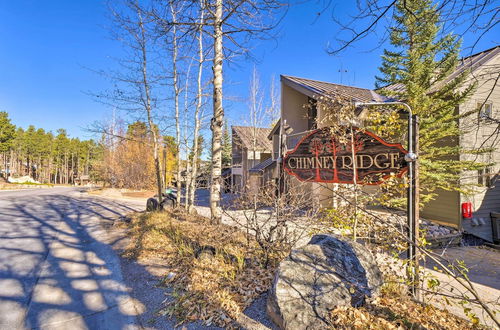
{"x": 15, "y": 186}
{"x": 139, "y": 194}
{"x": 215, "y": 271}
{"x": 116, "y": 192}
{"x": 394, "y": 311}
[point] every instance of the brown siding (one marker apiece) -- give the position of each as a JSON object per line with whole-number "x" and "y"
{"x": 236, "y": 150}
{"x": 445, "y": 208}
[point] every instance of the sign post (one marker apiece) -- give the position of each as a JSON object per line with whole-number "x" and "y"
{"x": 413, "y": 223}
{"x": 413, "y": 196}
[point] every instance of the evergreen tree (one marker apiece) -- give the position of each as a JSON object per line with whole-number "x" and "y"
{"x": 7, "y": 135}
{"x": 7, "y": 132}
{"x": 44, "y": 157}
{"x": 201, "y": 143}
{"x": 419, "y": 65}
{"x": 226, "y": 147}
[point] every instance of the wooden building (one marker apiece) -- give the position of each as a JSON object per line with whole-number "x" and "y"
{"x": 300, "y": 116}
{"x": 481, "y": 131}
{"x": 250, "y": 147}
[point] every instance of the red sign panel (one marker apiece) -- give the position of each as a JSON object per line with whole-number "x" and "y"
{"x": 321, "y": 157}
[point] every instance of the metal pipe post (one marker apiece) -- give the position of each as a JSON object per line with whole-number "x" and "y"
{"x": 412, "y": 196}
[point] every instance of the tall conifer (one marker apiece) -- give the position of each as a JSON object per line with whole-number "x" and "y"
{"x": 417, "y": 70}
{"x": 7, "y": 132}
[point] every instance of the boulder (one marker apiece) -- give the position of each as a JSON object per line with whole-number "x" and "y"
{"x": 313, "y": 280}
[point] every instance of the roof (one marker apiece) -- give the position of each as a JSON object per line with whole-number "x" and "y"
{"x": 471, "y": 63}
{"x": 259, "y": 168}
{"x": 315, "y": 88}
{"x": 247, "y": 134}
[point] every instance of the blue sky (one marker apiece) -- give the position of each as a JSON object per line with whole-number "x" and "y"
{"x": 47, "y": 48}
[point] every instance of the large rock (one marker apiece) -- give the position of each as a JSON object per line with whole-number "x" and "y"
{"x": 326, "y": 273}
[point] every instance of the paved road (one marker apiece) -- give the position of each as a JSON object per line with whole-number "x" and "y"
{"x": 56, "y": 269}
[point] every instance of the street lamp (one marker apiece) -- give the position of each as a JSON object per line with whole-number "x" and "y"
{"x": 413, "y": 191}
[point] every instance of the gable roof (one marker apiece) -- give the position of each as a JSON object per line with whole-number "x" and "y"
{"x": 472, "y": 63}
{"x": 315, "y": 88}
{"x": 247, "y": 133}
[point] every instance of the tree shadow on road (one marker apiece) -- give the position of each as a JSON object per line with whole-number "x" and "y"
{"x": 56, "y": 268}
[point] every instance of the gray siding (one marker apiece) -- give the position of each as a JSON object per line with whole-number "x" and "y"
{"x": 482, "y": 133}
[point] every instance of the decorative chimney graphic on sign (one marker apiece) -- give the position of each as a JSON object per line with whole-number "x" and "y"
{"x": 321, "y": 157}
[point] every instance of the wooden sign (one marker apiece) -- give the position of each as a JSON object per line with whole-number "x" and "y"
{"x": 321, "y": 157}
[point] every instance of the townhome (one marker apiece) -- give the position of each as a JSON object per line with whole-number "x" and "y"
{"x": 299, "y": 116}
{"x": 250, "y": 147}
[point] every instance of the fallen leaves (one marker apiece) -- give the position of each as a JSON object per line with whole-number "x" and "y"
{"x": 395, "y": 313}
{"x": 215, "y": 271}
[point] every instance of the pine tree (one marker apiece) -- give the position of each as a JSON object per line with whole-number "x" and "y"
{"x": 7, "y": 132}
{"x": 419, "y": 65}
{"x": 226, "y": 147}
{"x": 7, "y": 135}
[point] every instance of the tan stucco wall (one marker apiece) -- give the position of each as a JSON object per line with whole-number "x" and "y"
{"x": 276, "y": 141}
{"x": 292, "y": 108}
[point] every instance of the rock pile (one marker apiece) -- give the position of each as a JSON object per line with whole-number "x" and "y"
{"x": 434, "y": 230}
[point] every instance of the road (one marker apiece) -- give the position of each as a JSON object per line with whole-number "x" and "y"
{"x": 57, "y": 269}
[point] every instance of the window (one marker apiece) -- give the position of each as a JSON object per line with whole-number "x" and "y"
{"x": 485, "y": 110}
{"x": 484, "y": 177}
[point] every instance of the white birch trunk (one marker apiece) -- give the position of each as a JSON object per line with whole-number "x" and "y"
{"x": 218, "y": 116}
{"x": 189, "y": 174}
{"x": 152, "y": 127}
{"x": 176, "y": 101}
{"x": 197, "y": 121}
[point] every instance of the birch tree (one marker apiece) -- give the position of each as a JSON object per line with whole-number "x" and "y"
{"x": 230, "y": 26}
{"x": 197, "y": 114}
{"x": 142, "y": 42}
{"x": 262, "y": 108}
{"x": 175, "y": 81}
{"x": 218, "y": 114}
{"x": 238, "y": 22}
{"x": 136, "y": 80}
